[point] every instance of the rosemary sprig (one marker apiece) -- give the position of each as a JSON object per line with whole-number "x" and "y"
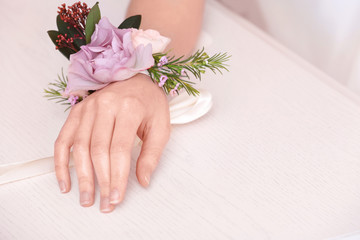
{"x": 173, "y": 68}
{"x": 55, "y": 90}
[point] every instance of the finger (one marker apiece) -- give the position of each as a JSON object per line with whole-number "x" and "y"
{"x": 62, "y": 147}
{"x": 154, "y": 141}
{"x": 82, "y": 159}
{"x": 120, "y": 155}
{"x": 100, "y": 144}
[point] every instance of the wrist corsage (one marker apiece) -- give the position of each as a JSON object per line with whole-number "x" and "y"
{"x": 101, "y": 53}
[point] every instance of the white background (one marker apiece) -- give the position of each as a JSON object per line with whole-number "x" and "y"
{"x": 324, "y": 32}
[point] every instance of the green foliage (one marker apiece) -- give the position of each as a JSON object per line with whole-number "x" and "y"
{"x": 131, "y": 22}
{"x": 92, "y": 19}
{"x": 65, "y": 51}
{"x": 196, "y": 64}
{"x": 66, "y": 28}
{"x": 54, "y": 91}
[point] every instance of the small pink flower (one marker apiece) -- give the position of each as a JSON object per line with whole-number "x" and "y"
{"x": 80, "y": 93}
{"x": 162, "y": 79}
{"x": 163, "y": 60}
{"x": 173, "y": 91}
{"x": 141, "y": 37}
{"x": 183, "y": 72}
{"x": 73, "y": 99}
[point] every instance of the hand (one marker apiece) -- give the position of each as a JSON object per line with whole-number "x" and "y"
{"x": 102, "y": 130}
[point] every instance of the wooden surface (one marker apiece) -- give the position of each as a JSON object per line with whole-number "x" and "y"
{"x": 277, "y": 157}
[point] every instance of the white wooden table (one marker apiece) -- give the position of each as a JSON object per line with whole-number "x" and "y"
{"x": 278, "y": 156}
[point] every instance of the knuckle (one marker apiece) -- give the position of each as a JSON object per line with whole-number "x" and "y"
{"x": 104, "y": 183}
{"x": 120, "y": 148}
{"x": 60, "y": 142}
{"x": 80, "y": 146}
{"x": 130, "y": 103}
{"x": 85, "y": 180}
{"x": 118, "y": 178}
{"x": 98, "y": 149}
{"x": 105, "y": 98}
{"x": 59, "y": 167}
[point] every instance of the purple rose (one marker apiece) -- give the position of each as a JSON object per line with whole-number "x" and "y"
{"x": 109, "y": 57}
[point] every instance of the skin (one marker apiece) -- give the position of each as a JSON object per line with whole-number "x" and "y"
{"x": 180, "y": 20}
{"x": 102, "y": 128}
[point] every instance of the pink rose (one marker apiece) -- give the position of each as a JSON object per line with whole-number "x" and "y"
{"x": 158, "y": 42}
{"x": 110, "y": 56}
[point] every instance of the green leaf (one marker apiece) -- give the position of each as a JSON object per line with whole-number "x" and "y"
{"x": 65, "y": 51}
{"x": 92, "y": 19}
{"x": 62, "y": 26}
{"x": 131, "y": 22}
{"x": 70, "y": 31}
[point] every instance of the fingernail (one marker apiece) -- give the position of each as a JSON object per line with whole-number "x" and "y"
{"x": 105, "y": 205}
{"x": 62, "y": 186}
{"x": 84, "y": 198}
{"x": 147, "y": 179}
{"x": 114, "y": 196}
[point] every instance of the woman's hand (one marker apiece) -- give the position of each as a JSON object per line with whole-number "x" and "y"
{"x": 102, "y": 129}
